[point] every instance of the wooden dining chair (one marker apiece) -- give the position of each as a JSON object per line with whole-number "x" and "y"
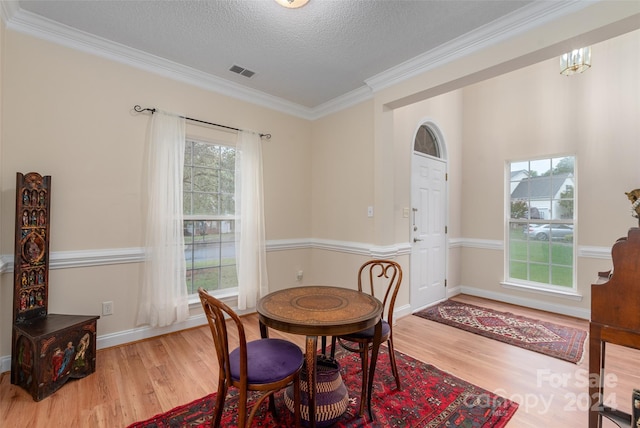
{"x": 386, "y": 277}
{"x": 265, "y": 365}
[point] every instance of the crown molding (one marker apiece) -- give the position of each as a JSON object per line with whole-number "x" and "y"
{"x": 518, "y": 22}
{"x": 37, "y": 26}
{"x": 8, "y": 9}
{"x": 342, "y": 102}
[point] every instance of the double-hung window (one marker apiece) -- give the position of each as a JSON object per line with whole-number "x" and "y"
{"x": 541, "y": 223}
{"x": 209, "y": 216}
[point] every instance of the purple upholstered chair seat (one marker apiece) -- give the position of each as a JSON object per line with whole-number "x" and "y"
{"x": 271, "y": 364}
{"x": 268, "y": 360}
{"x": 368, "y": 333}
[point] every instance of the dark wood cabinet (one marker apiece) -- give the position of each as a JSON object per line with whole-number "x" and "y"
{"x": 46, "y": 349}
{"x": 615, "y": 318}
{"x": 50, "y": 350}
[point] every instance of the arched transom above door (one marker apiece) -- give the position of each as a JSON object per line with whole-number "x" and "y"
{"x": 426, "y": 142}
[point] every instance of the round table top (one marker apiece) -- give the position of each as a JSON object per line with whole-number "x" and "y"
{"x": 319, "y": 310}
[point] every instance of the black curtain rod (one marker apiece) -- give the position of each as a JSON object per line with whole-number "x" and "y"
{"x": 139, "y": 109}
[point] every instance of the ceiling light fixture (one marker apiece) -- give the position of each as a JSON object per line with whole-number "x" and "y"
{"x": 292, "y": 4}
{"x": 576, "y": 61}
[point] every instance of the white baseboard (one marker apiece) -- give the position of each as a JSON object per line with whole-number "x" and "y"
{"x": 402, "y": 311}
{"x": 523, "y": 301}
{"x": 128, "y": 336}
{"x": 5, "y": 363}
{"x": 137, "y": 334}
{"x": 141, "y": 333}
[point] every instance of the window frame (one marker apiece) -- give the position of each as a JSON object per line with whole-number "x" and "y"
{"x": 218, "y": 263}
{"x": 513, "y": 225}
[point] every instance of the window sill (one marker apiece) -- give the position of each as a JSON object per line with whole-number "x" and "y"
{"x": 223, "y": 295}
{"x": 564, "y": 294}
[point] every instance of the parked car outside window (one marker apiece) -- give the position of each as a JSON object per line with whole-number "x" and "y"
{"x": 542, "y": 232}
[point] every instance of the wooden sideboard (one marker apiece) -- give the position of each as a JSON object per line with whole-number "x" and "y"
{"x": 615, "y": 318}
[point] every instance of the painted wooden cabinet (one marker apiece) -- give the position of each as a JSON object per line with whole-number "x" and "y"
{"x": 49, "y": 351}
{"x": 46, "y": 349}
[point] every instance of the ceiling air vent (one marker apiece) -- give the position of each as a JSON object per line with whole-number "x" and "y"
{"x": 242, "y": 71}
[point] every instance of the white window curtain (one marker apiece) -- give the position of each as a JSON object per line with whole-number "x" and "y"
{"x": 251, "y": 254}
{"x": 163, "y": 297}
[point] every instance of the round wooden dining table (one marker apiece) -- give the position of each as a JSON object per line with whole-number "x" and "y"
{"x": 320, "y": 310}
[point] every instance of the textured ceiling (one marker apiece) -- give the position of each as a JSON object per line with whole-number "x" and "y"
{"x": 307, "y": 56}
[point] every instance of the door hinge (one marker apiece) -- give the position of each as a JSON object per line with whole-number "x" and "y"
{"x": 446, "y": 230}
{"x": 445, "y": 283}
{"x": 446, "y": 176}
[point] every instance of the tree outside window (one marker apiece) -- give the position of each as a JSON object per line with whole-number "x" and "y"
{"x": 209, "y": 216}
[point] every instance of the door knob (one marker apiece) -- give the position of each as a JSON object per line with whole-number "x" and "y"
{"x": 416, "y": 239}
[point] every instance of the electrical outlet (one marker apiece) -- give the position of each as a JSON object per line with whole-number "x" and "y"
{"x": 107, "y": 308}
{"x": 299, "y": 275}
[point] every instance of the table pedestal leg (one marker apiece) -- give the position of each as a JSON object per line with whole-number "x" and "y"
{"x": 310, "y": 359}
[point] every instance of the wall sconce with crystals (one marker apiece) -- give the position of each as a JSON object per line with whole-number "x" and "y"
{"x": 576, "y": 61}
{"x": 292, "y": 4}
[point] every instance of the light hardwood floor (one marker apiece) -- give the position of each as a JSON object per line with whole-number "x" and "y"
{"x": 136, "y": 381}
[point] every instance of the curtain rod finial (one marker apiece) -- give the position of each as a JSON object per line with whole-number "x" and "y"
{"x": 139, "y": 109}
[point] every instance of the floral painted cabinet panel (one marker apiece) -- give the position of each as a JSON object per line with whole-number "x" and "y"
{"x": 46, "y": 349}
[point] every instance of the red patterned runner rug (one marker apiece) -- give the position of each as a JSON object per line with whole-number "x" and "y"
{"x": 430, "y": 398}
{"x": 565, "y": 343}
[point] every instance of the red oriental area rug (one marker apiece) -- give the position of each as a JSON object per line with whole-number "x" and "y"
{"x": 430, "y": 398}
{"x": 565, "y": 343}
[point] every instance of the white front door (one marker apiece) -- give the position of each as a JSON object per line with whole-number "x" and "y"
{"x": 428, "y": 231}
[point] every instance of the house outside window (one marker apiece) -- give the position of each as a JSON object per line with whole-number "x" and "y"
{"x": 541, "y": 223}
{"x": 209, "y": 216}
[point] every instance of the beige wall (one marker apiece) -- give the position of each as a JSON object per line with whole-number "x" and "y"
{"x": 536, "y": 112}
{"x": 479, "y": 254}
{"x": 69, "y": 115}
{"x": 342, "y": 175}
{"x": 343, "y": 187}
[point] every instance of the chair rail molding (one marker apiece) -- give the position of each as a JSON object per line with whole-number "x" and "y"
{"x": 111, "y": 256}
